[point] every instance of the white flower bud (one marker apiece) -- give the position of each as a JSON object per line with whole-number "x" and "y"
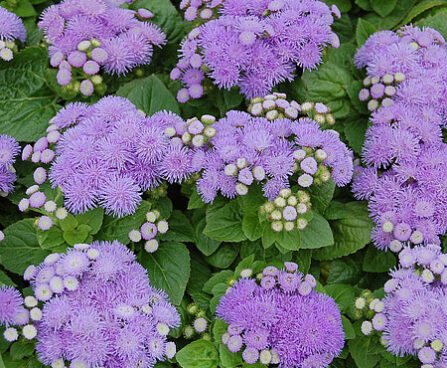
{"x": 388, "y": 227}
{"x": 360, "y": 303}
{"x": 301, "y": 223}
{"x": 280, "y": 202}
{"x": 418, "y": 344}
{"x": 36, "y": 314}
{"x": 11, "y": 334}
{"x": 162, "y": 226}
{"x": 247, "y": 272}
{"x": 366, "y": 327}
{"x": 58, "y": 364}
{"x": 30, "y": 301}
{"x": 61, "y": 213}
{"x": 241, "y": 189}
{"x": 170, "y": 131}
{"x": 171, "y": 349}
{"x": 29, "y": 332}
{"x": 277, "y": 226}
{"x": 198, "y": 140}
{"x": 151, "y": 246}
{"x": 230, "y": 170}
{"x": 200, "y": 324}
{"x": 427, "y": 276}
{"x": 379, "y": 307}
{"x": 134, "y": 236}
{"x": 162, "y": 328}
{"x": 265, "y": 357}
{"x": 276, "y": 215}
{"x": 289, "y": 226}
{"x": 395, "y": 246}
{"x": 285, "y": 193}
{"x": 241, "y": 163}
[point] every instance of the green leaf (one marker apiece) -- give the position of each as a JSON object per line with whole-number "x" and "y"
{"x": 378, "y": 261}
{"x": 344, "y": 271}
{"x": 50, "y": 238}
{"x": 225, "y": 224}
{"x": 115, "y": 228}
{"x": 343, "y": 5}
{"x": 351, "y": 232}
{"x": 251, "y": 226}
{"x": 317, "y": 234}
{"x": 383, "y": 7}
{"x": 5, "y": 280}
{"x": 322, "y": 195}
{"x": 68, "y": 223}
{"x": 195, "y": 201}
{"x": 289, "y": 240}
{"x": 24, "y": 9}
{"x": 21, "y": 349}
{"x": 348, "y": 328}
{"x": 26, "y": 103}
{"x": 421, "y": 8}
{"x": 343, "y": 294}
{"x": 20, "y": 248}
{"x": 180, "y": 228}
{"x": 359, "y": 349}
{"x": 227, "y": 100}
{"x": 355, "y": 133}
{"x": 205, "y": 244}
{"x": 92, "y": 218}
{"x": 224, "y": 256}
{"x": 168, "y": 269}
{"x": 303, "y": 259}
{"x": 165, "y": 16}
{"x": 393, "y": 19}
{"x": 150, "y": 95}
{"x": 78, "y": 235}
{"x": 363, "y": 31}
{"x": 227, "y": 358}
{"x": 364, "y": 4}
{"x": 219, "y": 328}
{"x": 437, "y": 21}
{"x": 219, "y": 277}
{"x": 198, "y": 354}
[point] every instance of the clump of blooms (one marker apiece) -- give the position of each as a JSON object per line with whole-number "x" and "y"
{"x": 201, "y": 10}
{"x": 249, "y": 150}
{"x": 197, "y": 323}
{"x": 276, "y": 106}
{"x": 9, "y": 149}
{"x": 11, "y": 31}
{"x": 253, "y": 45}
{"x": 12, "y": 311}
{"x": 109, "y": 153}
{"x": 404, "y": 153}
{"x": 412, "y": 317}
{"x": 148, "y": 231}
{"x": 87, "y": 36}
{"x": 93, "y": 306}
{"x": 281, "y": 320}
{"x": 288, "y": 211}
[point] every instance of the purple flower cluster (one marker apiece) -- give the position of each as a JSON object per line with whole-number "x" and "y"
{"x": 253, "y": 45}
{"x": 412, "y": 317}
{"x": 404, "y": 154}
{"x": 281, "y": 320}
{"x": 11, "y": 29}
{"x": 247, "y": 150}
{"x": 93, "y": 306}
{"x": 110, "y": 152}
{"x": 9, "y": 149}
{"x": 12, "y": 311}
{"x": 85, "y": 35}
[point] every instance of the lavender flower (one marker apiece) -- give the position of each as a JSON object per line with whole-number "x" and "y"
{"x": 85, "y": 36}
{"x": 275, "y": 36}
{"x": 11, "y": 307}
{"x": 412, "y": 317}
{"x": 283, "y": 323}
{"x": 9, "y": 149}
{"x": 11, "y": 29}
{"x": 404, "y": 152}
{"x": 108, "y": 154}
{"x": 99, "y": 298}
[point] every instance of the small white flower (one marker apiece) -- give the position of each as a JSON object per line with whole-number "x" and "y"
{"x": 170, "y": 131}
{"x": 171, "y": 349}
{"x": 265, "y": 357}
{"x": 259, "y": 173}
{"x": 379, "y": 321}
{"x": 241, "y": 163}
{"x": 230, "y": 170}
{"x": 147, "y": 309}
{"x": 379, "y": 307}
{"x": 388, "y": 227}
{"x": 58, "y": 364}
{"x": 395, "y": 246}
{"x": 50, "y": 206}
{"x": 200, "y": 324}
{"x": 57, "y": 284}
{"x": 29, "y": 332}
{"x": 11, "y": 334}
{"x": 151, "y": 246}
{"x": 277, "y": 226}
{"x": 373, "y": 303}
{"x": 241, "y": 189}
{"x": 30, "y": 301}
{"x": 61, "y": 213}
{"x": 437, "y": 345}
{"x": 51, "y": 258}
{"x": 162, "y": 226}
{"x": 162, "y": 328}
{"x": 276, "y": 215}
{"x": 418, "y": 344}
{"x": 247, "y": 272}
{"x": 208, "y": 119}
{"x": 301, "y": 223}
{"x": 36, "y": 314}
{"x": 275, "y": 358}
{"x": 289, "y": 226}
{"x": 299, "y": 154}
{"x": 366, "y": 327}
{"x": 427, "y": 276}
{"x": 134, "y": 236}
{"x": 152, "y": 216}
{"x": 280, "y": 202}
{"x": 256, "y": 109}
{"x": 198, "y": 140}
{"x": 225, "y": 338}
{"x": 81, "y": 246}
{"x": 71, "y": 283}
{"x": 360, "y": 303}
{"x": 92, "y": 253}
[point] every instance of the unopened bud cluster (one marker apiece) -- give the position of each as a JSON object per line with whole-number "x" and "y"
{"x": 7, "y": 50}
{"x": 379, "y": 91}
{"x": 310, "y": 167}
{"x": 198, "y": 323}
{"x": 197, "y": 132}
{"x": 148, "y": 231}
{"x": 276, "y": 106}
{"x": 401, "y": 233}
{"x": 79, "y": 72}
{"x": 244, "y": 174}
{"x": 365, "y": 306}
{"x": 288, "y": 211}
